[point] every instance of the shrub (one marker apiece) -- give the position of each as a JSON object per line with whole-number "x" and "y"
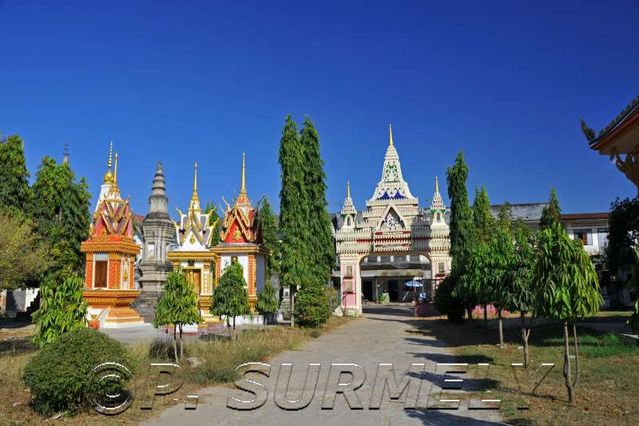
{"x": 446, "y": 303}
{"x": 58, "y": 375}
{"x": 333, "y": 298}
{"x": 266, "y": 300}
{"x": 311, "y": 306}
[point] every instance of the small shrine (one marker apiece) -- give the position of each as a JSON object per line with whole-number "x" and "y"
{"x": 241, "y": 240}
{"x": 109, "y": 287}
{"x": 193, "y": 252}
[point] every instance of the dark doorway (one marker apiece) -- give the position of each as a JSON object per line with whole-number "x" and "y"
{"x": 367, "y": 290}
{"x": 393, "y": 290}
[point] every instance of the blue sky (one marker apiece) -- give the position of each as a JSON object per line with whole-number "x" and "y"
{"x": 505, "y": 82}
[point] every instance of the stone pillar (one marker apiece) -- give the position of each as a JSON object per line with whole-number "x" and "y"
{"x": 351, "y": 284}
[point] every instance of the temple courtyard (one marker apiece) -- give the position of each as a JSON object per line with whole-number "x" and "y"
{"x": 385, "y": 334}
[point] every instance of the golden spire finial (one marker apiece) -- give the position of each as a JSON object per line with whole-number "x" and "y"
{"x": 108, "y": 176}
{"x": 390, "y": 134}
{"x": 348, "y": 189}
{"x": 436, "y": 185}
{"x": 243, "y": 182}
{"x": 195, "y": 200}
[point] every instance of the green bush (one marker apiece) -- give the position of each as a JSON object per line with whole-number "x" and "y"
{"x": 446, "y": 303}
{"x": 58, "y": 375}
{"x": 266, "y": 300}
{"x": 311, "y": 306}
{"x": 333, "y": 298}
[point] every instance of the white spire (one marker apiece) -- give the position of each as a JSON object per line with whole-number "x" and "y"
{"x": 392, "y": 184}
{"x": 438, "y": 202}
{"x": 348, "y": 207}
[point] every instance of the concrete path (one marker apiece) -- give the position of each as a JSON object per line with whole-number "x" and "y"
{"x": 383, "y": 335}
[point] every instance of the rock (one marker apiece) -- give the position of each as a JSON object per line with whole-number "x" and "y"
{"x": 194, "y": 362}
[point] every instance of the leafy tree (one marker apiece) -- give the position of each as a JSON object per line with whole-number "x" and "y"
{"x": 62, "y": 308}
{"x": 60, "y": 210}
{"x": 177, "y": 306}
{"x": 551, "y": 214}
{"x": 266, "y": 300}
{"x": 623, "y": 233}
{"x": 15, "y": 194}
{"x": 446, "y": 303}
{"x": 22, "y": 256}
{"x": 294, "y": 267}
{"x": 214, "y": 220}
{"x": 230, "y": 297}
{"x": 633, "y": 322}
{"x": 271, "y": 242}
{"x": 568, "y": 289}
{"x": 461, "y": 228}
{"x": 311, "y": 306}
{"x": 520, "y": 281}
{"x": 483, "y": 220}
{"x": 320, "y": 245}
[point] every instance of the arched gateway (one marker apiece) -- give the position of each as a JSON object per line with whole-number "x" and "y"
{"x": 393, "y": 230}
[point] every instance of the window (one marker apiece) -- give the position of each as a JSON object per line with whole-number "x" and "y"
{"x": 441, "y": 267}
{"x": 602, "y": 236}
{"x": 100, "y": 274}
{"x": 584, "y": 235}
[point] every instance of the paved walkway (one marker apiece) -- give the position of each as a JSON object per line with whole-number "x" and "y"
{"x": 383, "y": 335}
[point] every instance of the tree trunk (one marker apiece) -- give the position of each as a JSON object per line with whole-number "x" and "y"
{"x": 175, "y": 351}
{"x": 501, "y": 328}
{"x": 485, "y": 316}
{"x": 234, "y": 332}
{"x": 567, "y": 379}
{"x": 525, "y": 333}
{"x": 181, "y": 344}
{"x": 574, "y": 337}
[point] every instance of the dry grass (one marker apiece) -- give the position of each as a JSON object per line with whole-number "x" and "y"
{"x": 219, "y": 359}
{"x": 606, "y": 393}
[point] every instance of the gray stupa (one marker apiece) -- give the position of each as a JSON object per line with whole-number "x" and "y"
{"x": 158, "y": 231}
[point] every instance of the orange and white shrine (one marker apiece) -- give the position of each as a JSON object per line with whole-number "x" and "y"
{"x": 109, "y": 286}
{"x": 194, "y": 235}
{"x": 241, "y": 240}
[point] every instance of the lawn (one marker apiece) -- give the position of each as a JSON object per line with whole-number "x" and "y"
{"x": 218, "y": 359}
{"x": 609, "y": 380}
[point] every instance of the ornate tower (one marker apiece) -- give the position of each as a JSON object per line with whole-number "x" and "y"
{"x": 110, "y": 256}
{"x": 158, "y": 232}
{"x": 192, "y": 251}
{"x": 242, "y": 240}
{"x": 349, "y": 213}
{"x": 439, "y": 243}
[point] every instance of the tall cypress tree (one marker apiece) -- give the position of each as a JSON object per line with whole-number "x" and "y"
{"x": 293, "y": 208}
{"x": 461, "y": 217}
{"x": 271, "y": 242}
{"x": 60, "y": 209}
{"x": 551, "y": 214}
{"x": 321, "y": 248}
{"x": 15, "y": 193}
{"x": 483, "y": 220}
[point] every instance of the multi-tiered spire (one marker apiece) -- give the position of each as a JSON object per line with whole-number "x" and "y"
{"x": 392, "y": 184}
{"x": 349, "y": 212}
{"x": 158, "y": 201}
{"x": 194, "y": 204}
{"x": 437, "y": 207}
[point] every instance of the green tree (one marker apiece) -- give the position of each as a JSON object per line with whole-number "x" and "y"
{"x": 320, "y": 244}
{"x": 633, "y": 322}
{"x": 269, "y": 236}
{"x": 214, "y": 220}
{"x": 62, "y": 308}
{"x": 22, "y": 256}
{"x": 60, "y": 210}
{"x": 551, "y": 214}
{"x": 623, "y": 233}
{"x": 461, "y": 229}
{"x": 568, "y": 290}
{"x": 483, "y": 220}
{"x": 311, "y": 306}
{"x": 294, "y": 267}
{"x": 230, "y": 297}
{"x": 266, "y": 300}
{"x": 177, "y": 306}
{"x": 15, "y": 194}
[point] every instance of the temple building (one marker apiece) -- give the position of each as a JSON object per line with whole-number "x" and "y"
{"x": 157, "y": 232}
{"x": 192, "y": 250}
{"x": 241, "y": 240}
{"x": 620, "y": 141}
{"x": 391, "y": 242}
{"x": 109, "y": 287}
